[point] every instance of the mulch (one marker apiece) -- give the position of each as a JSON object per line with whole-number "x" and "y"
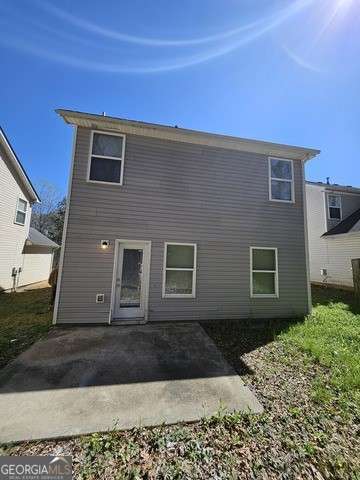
{"x": 297, "y": 437}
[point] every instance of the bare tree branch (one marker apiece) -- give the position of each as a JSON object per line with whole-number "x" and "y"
{"x": 41, "y": 213}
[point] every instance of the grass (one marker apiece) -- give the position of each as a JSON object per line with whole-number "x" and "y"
{"x": 331, "y": 336}
{"x": 24, "y": 318}
{"x": 305, "y": 373}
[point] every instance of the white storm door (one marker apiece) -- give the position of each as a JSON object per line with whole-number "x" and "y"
{"x": 132, "y": 280}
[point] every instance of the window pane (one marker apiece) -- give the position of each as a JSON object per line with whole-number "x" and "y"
{"x": 131, "y": 278}
{"x": 178, "y": 282}
{"x": 281, "y": 169}
{"x": 105, "y": 170}
{"x": 107, "y": 145}
{"x": 180, "y": 256}
{"x": 263, "y": 283}
{"x": 281, "y": 190}
{"x": 335, "y": 212}
{"x": 334, "y": 201}
{"x": 264, "y": 259}
{"x": 20, "y": 217}
{"x": 22, "y": 205}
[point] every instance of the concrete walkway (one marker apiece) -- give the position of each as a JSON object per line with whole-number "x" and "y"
{"x": 89, "y": 379}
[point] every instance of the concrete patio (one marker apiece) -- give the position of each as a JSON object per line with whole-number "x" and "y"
{"x": 88, "y": 379}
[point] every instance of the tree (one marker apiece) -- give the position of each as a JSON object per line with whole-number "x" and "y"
{"x": 48, "y": 216}
{"x": 57, "y": 222}
{"x": 42, "y": 212}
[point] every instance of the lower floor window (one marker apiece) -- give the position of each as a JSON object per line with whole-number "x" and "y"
{"x": 179, "y": 270}
{"x": 264, "y": 272}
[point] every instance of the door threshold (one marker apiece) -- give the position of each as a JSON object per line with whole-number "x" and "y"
{"x": 128, "y": 321}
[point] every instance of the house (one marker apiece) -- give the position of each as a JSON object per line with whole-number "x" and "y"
{"x": 169, "y": 224}
{"x": 334, "y": 232}
{"x": 38, "y": 258}
{"x": 25, "y": 254}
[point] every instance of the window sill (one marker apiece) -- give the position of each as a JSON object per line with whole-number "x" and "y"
{"x": 282, "y": 201}
{"x": 264, "y": 296}
{"x": 113, "y": 184}
{"x": 179, "y": 296}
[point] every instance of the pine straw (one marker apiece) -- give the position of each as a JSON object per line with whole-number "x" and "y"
{"x": 300, "y": 435}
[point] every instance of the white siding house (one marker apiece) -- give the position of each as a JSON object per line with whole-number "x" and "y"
{"x": 37, "y": 258}
{"x": 333, "y": 213}
{"x": 19, "y": 262}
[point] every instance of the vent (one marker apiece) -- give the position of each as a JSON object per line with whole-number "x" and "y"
{"x": 100, "y": 297}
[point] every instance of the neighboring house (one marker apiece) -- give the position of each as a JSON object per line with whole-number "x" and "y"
{"x": 334, "y": 232}
{"x": 23, "y": 259}
{"x": 38, "y": 257}
{"x": 168, "y": 224}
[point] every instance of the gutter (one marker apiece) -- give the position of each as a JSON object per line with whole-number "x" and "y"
{"x": 93, "y": 121}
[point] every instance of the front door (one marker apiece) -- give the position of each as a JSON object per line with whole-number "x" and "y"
{"x": 132, "y": 281}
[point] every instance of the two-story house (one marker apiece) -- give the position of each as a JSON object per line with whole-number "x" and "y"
{"x": 169, "y": 224}
{"x": 334, "y": 232}
{"x": 25, "y": 254}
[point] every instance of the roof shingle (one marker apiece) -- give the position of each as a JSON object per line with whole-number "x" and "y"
{"x": 37, "y": 238}
{"x": 346, "y": 225}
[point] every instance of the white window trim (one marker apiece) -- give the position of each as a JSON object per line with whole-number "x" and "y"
{"x": 328, "y": 205}
{"x": 22, "y": 211}
{"x": 276, "y": 272}
{"x": 282, "y": 180}
{"x": 122, "y": 159}
{"x": 180, "y": 295}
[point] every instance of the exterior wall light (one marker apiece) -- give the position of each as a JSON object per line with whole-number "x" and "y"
{"x": 105, "y": 244}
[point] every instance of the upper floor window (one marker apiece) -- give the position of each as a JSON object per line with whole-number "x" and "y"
{"x": 106, "y": 163}
{"x": 179, "y": 270}
{"x": 334, "y": 207}
{"x": 281, "y": 180}
{"x": 21, "y": 207}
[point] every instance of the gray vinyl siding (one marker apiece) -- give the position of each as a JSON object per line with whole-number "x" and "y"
{"x": 177, "y": 192}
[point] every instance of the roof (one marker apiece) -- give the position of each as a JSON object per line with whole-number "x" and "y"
{"x": 40, "y": 240}
{"x": 4, "y": 141}
{"x": 94, "y": 121}
{"x": 349, "y": 224}
{"x": 335, "y": 187}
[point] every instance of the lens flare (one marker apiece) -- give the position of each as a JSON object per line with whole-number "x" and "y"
{"x": 305, "y": 27}
{"x": 344, "y": 3}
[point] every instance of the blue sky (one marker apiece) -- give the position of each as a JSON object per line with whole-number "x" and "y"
{"x": 276, "y": 70}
